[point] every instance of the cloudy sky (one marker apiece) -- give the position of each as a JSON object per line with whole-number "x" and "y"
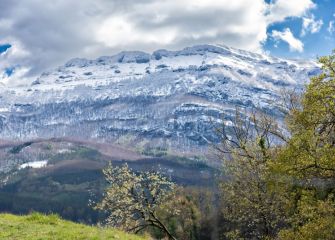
{"x": 38, "y": 35}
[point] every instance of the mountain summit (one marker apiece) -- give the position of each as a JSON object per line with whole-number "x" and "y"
{"x": 167, "y": 99}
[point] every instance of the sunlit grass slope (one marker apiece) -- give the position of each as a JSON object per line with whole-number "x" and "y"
{"x": 38, "y": 226}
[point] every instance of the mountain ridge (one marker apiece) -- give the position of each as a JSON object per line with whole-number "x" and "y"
{"x": 165, "y": 99}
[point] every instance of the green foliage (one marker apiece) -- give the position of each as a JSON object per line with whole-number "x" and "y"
{"x": 312, "y": 125}
{"x": 314, "y": 219}
{"x": 38, "y": 226}
{"x": 249, "y": 198}
{"x": 308, "y": 160}
{"x": 186, "y": 224}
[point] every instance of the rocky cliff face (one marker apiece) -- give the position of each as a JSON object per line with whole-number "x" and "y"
{"x": 168, "y": 99}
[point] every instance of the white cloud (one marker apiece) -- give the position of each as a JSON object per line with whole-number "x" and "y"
{"x": 287, "y": 36}
{"x": 331, "y": 27}
{"x": 118, "y": 31}
{"x": 14, "y": 58}
{"x": 282, "y": 9}
{"x": 17, "y": 78}
{"x": 53, "y": 32}
{"x": 167, "y": 24}
{"x": 309, "y": 24}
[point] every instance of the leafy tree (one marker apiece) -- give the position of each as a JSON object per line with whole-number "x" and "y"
{"x": 313, "y": 219}
{"x": 250, "y": 200}
{"x": 186, "y": 224}
{"x": 312, "y": 125}
{"x": 133, "y": 201}
{"x": 308, "y": 160}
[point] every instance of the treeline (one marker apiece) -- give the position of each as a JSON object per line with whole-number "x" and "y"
{"x": 279, "y": 180}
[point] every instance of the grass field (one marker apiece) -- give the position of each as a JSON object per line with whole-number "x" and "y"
{"x": 37, "y": 226}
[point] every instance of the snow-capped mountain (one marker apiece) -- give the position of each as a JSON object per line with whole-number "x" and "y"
{"x": 168, "y": 99}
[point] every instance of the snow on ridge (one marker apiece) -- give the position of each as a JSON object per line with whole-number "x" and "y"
{"x": 36, "y": 164}
{"x": 172, "y": 97}
{"x": 143, "y": 57}
{"x": 237, "y": 65}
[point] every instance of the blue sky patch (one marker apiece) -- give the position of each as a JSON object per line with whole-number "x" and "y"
{"x": 318, "y": 43}
{"x": 4, "y": 47}
{"x": 9, "y": 71}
